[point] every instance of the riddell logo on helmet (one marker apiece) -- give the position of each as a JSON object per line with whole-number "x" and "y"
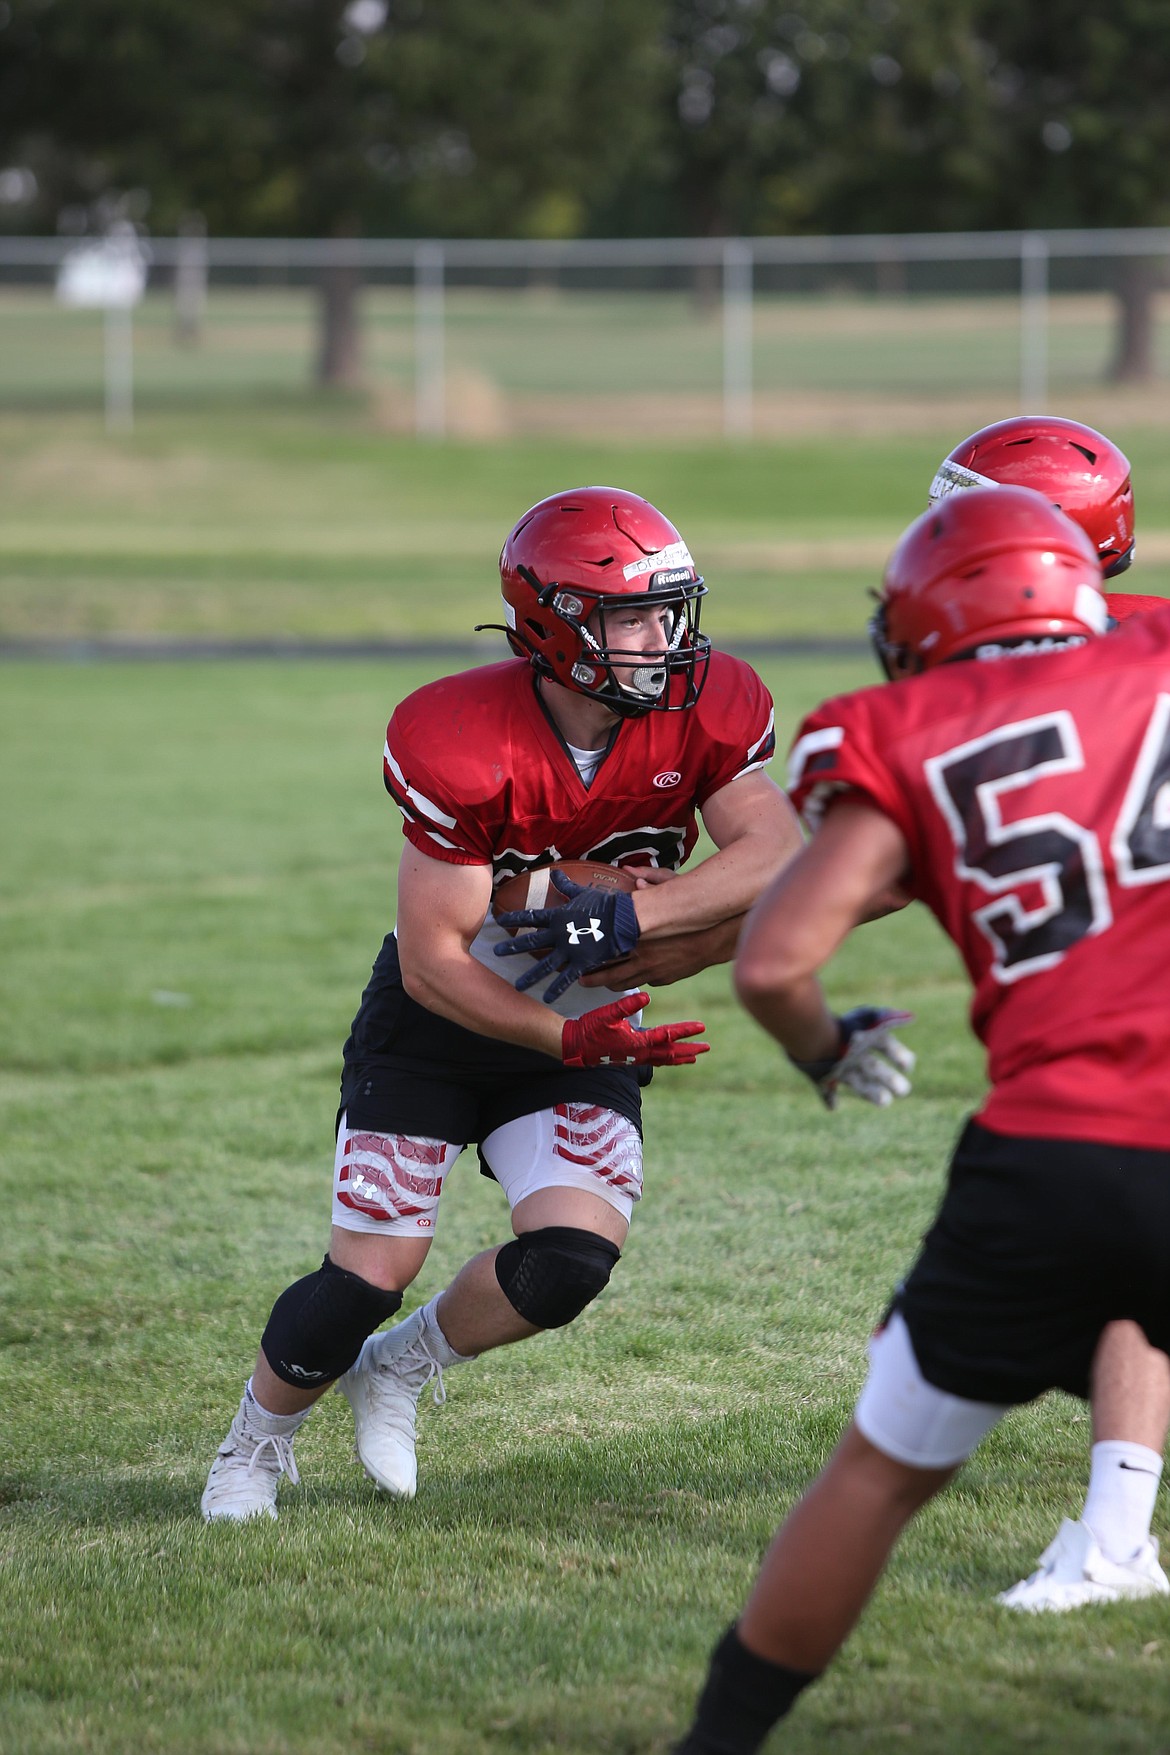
{"x": 670, "y": 777}
{"x": 1029, "y": 648}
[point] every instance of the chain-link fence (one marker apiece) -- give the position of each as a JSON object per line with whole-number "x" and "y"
{"x": 647, "y": 338}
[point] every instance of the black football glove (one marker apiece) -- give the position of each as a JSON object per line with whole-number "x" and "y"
{"x": 870, "y": 1061}
{"x": 592, "y": 928}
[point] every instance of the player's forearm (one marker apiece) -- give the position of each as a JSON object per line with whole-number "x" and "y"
{"x": 714, "y": 944}
{"x": 699, "y": 950}
{"x": 457, "y": 987}
{"x": 661, "y": 961}
{"x": 719, "y": 889}
{"x": 795, "y": 1014}
{"x": 787, "y": 939}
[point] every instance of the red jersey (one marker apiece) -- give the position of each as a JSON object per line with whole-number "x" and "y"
{"x": 1034, "y": 798}
{"x": 1123, "y": 604}
{"x": 482, "y": 776}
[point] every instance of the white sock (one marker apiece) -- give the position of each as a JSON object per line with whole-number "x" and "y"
{"x": 279, "y": 1425}
{"x": 425, "y": 1319}
{"x": 437, "y": 1341}
{"x": 1119, "y": 1505}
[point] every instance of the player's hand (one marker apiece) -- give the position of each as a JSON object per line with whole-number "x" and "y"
{"x": 870, "y": 1061}
{"x": 649, "y": 875}
{"x": 593, "y": 927}
{"x": 654, "y": 964}
{"x": 658, "y": 962}
{"x": 604, "y": 1038}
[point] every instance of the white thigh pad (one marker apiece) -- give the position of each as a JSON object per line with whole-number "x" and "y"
{"x": 388, "y": 1183}
{"x": 575, "y": 1145}
{"x": 909, "y": 1419}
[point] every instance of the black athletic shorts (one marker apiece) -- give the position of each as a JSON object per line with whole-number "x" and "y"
{"x": 407, "y": 1070}
{"x": 1038, "y": 1244}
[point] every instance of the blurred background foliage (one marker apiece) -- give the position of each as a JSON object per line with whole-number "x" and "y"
{"x": 603, "y": 118}
{"x": 585, "y": 117}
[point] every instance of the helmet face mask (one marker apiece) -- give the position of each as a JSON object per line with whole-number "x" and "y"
{"x": 1076, "y": 468}
{"x": 637, "y": 677}
{"x": 982, "y": 574}
{"x": 569, "y": 569}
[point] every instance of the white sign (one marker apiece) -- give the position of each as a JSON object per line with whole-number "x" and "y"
{"x": 109, "y": 275}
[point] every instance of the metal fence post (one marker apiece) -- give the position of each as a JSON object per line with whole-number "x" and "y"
{"x": 190, "y": 278}
{"x": 737, "y": 339}
{"x": 119, "y": 324}
{"x": 430, "y": 398}
{"x": 1033, "y": 323}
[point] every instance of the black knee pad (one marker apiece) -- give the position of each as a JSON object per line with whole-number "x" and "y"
{"x": 549, "y": 1276}
{"x": 317, "y": 1327}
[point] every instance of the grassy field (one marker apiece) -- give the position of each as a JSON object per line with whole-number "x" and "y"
{"x": 314, "y": 526}
{"x": 527, "y": 345}
{"x": 197, "y": 872}
{"x": 613, "y": 366}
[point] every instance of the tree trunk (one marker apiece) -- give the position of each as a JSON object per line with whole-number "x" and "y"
{"x": 1137, "y": 282}
{"x": 339, "y": 354}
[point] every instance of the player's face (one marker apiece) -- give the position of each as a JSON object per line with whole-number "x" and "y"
{"x": 633, "y": 634}
{"x": 634, "y": 628}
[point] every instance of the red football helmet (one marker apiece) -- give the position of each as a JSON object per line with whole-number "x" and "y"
{"x": 1078, "y": 469}
{"x": 983, "y": 571}
{"x": 569, "y": 558}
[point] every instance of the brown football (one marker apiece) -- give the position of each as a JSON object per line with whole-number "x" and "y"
{"x": 535, "y": 889}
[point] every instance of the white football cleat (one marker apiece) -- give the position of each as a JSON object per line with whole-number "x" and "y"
{"x": 1073, "y": 1571}
{"x": 247, "y": 1470}
{"x": 382, "y": 1386}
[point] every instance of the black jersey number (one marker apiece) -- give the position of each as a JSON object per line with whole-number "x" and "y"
{"x": 1051, "y": 851}
{"x": 1057, "y": 856}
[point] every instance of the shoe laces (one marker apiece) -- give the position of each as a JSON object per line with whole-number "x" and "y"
{"x": 417, "y": 1366}
{"x": 282, "y": 1455}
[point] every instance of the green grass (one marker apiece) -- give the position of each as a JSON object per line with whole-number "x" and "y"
{"x": 309, "y": 524}
{"x": 593, "y": 1504}
{"x": 524, "y": 347}
{"x": 196, "y": 870}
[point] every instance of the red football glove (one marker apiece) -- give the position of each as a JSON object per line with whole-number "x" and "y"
{"x": 603, "y": 1038}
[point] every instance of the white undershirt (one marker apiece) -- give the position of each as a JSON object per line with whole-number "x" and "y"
{"x": 587, "y": 762}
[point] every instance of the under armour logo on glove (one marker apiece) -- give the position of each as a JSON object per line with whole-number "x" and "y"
{"x": 870, "y": 1061}
{"x": 592, "y": 928}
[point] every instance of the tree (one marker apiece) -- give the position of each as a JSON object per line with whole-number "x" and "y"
{"x": 1085, "y": 134}
{"x": 922, "y": 115}
{"x": 841, "y": 117}
{"x": 448, "y": 117}
{"x": 332, "y": 118}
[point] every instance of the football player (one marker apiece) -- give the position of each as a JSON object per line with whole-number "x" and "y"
{"x": 1088, "y": 477}
{"x": 1014, "y": 780}
{"x": 610, "y": 727}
